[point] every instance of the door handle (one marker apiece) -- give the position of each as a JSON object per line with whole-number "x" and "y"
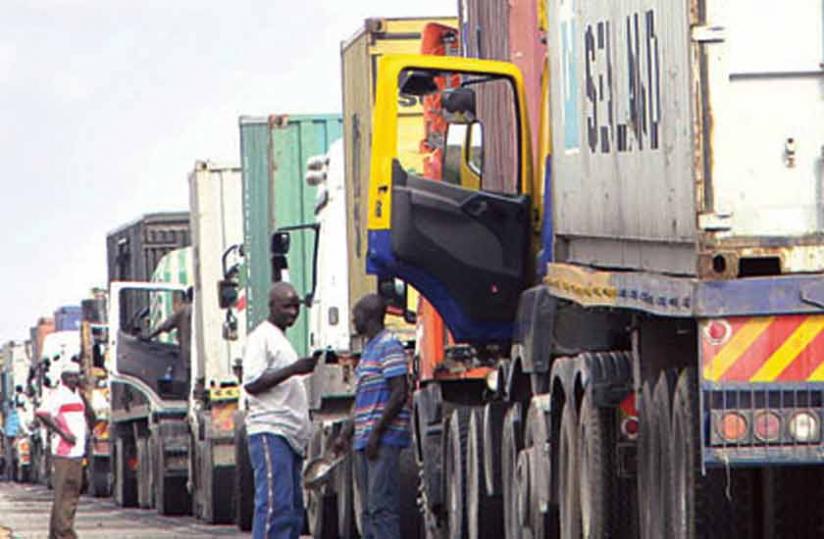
{"x": 476, "y": 207}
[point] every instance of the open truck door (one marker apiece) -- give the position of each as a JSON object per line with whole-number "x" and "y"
{"x": 156, "y": 368}
{"x": 463, "y": 238}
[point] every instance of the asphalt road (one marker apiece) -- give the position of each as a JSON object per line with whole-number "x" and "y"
{"x": 25, "y": 510}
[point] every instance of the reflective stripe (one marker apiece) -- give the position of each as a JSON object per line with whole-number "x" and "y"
{"x": 267, "y": 457}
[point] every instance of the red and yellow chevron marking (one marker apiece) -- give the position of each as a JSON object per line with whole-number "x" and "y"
{"x": 763, "y": 349}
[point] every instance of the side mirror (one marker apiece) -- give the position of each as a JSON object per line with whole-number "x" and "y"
{"x": 279, "y": 249}
{"x": 230, "y": 327}
{"x": 395, "y": 292}
{"x": 417, "y": 82}
{"x": 227, "y": 293}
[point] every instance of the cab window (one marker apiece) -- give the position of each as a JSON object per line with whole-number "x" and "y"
{"x": 460, "y": 128}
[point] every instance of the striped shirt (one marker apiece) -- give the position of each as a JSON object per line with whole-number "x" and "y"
{"x": 383, "y": 358}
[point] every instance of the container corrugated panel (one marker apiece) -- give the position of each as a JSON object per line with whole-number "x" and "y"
{"x": 359, "y": 56}
{"x": 485, "y": 34}
{"x": 684, "y": 141}
{"x": 274, "y": 152}
{"x": 175, "y": 267}
{"x": 216, "y": 209}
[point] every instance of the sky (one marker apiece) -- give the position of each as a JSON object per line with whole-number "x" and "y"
{"x": 105, "y": 105}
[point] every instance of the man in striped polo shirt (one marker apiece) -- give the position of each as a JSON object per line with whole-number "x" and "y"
{"x": 66, "y": 413}
{"x": 381, "y": 421}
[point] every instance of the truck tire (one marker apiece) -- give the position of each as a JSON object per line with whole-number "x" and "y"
{"x": 721, "y": 502}
{"x": 536, "y": 474}
{"x": 171, "y": 496}
{"x": 344, "y": 488}
{"x": 99, "y": 476}
{"x": 455, "y": 471}
{"x": 244, "y": 478}
{"x": 492, "y": 425}
{"x": 570, "y": 506}
{"x": 511, "y": 445}
{"x": 483, "y": 511}
{"x": 662, "y": 409}
{"x": 599, "y": 490}
{"x": 411, "y": 521}
{"x": 144, "y": 476}
{"x": 125, "y": 480}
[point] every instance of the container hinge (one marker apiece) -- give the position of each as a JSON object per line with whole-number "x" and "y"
{"x": 709, "y": 34}
{"x": 715, "y": 222}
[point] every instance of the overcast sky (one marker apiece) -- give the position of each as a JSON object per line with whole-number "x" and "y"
{"x": 106, "y": 104}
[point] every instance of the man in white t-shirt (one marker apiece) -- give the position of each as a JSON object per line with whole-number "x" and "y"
{"x": 68, "y": 417}
{"x": 277, "y": 421}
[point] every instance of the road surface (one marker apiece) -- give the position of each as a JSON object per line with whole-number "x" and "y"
{"x": 25, "y": 510}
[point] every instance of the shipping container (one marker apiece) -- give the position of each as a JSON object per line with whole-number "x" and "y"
{"x": 216, "y": 206}
{"x": 134, "y": 250}
{"x": 274, "y": 151}
{"x": 67, "y": 318}
{"x": 43, "y": 327}
{"x": 673, "y": 123}
{"x": 359, "y": 59}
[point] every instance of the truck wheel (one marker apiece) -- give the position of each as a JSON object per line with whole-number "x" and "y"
{"x": 344, "y": 487}
{"x": 244, "y": 478}
{"x": 483, "y": 512}
{"x": 662, "y": 408}
{"x": 720, "y": 502}
{"x": 570, "y": 506}
{"x": 125, "y": 480}
{"x": 511, "y": 444}
{"x": 144, "y": 465}
{"x": 492, "y": 424}
{"x": 455, "y": 463}
{"x": 537, "y": 470}
{"x": 599, "y": 491}
{"x": 170, "y": 493}
{"x": 411, "y": 521}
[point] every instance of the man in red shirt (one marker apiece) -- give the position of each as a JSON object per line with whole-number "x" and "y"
{"x": 66, "y": 413}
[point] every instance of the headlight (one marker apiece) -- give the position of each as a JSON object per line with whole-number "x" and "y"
{"x": 492, "y": 381}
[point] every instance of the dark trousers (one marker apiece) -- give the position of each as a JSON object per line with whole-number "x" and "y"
{"x": 278, "y": 488}
{"x": 378, "y": 482}
{"x": 67, "y": 481}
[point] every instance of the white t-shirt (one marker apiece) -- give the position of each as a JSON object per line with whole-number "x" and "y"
{"x": 283, "y": 409}
{"x": 69, "y": 412}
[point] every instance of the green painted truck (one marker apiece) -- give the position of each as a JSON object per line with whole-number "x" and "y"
{"x": 274, "y": 151}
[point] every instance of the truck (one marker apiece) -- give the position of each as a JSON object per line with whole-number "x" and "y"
{"x": 93, "y": 349}
{"x": 17, "y": 409}
{"x": 216, "y": 204}
{"x": 649, "y": 309}
{"x": 148, "y": 381}
{"x": 274, "y": 152}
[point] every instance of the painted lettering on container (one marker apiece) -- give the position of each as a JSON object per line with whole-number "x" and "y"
{"x": 622, "y": 74}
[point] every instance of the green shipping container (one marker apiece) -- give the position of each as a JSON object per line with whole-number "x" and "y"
{"x": 273, "y": 153}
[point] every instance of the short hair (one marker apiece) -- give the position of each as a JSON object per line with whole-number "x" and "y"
{"x": 373, "y": 305}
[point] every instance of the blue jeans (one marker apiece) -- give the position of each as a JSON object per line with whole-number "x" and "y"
{"x": 278, "y": 487}
{"x": 378, "y": 482}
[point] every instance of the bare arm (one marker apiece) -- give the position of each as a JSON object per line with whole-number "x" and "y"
{"x": 91, "y": 417}
{"x": 51, "y": 425}
{"x": 270, "y": 379}
{"x": 167, "y": 325}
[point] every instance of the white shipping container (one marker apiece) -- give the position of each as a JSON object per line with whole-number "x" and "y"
{"x": 688, "y": 135}
{"x": 216, "y": 213}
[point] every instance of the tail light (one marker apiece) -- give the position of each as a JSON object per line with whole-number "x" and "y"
{"x": 733, "y": 427}
{"x": 804, "y": 427}
{"x": 767, "y": 426}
